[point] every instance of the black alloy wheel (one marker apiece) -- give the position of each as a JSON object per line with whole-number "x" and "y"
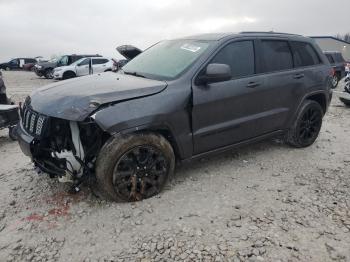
{"x": 307, "y": 125}
{"x": 133, "y": 167}
{"x": 140, "y": 173}
{"x": 310, "y": 125}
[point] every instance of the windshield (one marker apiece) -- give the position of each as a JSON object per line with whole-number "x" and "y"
{"x": 53, "y": 60}
{"x": 63, "y": 61}
{"x": 166, "y": 60}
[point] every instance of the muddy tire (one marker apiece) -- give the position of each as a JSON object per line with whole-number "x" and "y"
{"x": 133, "y": 167}
{"x": 306, "y": 126}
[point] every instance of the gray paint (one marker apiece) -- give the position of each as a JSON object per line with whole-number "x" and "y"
{"x": 200, "y": 118}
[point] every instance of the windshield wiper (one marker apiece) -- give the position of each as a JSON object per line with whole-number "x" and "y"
{"x": 134, "y": 74}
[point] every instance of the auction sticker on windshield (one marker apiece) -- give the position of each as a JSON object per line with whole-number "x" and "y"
{"x": 191, "y": 48}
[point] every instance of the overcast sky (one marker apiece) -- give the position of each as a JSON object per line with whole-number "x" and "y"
{"x": 31, "y": 28}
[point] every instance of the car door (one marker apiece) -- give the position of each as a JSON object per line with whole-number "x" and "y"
{"x": 82, "y": 68}
{"x": 99, "y": 65}
{"x": 14, "y": 64}
{"x": 284, "y": 83}
{"x": 308, "y": 72}
{"x": 225, "y": 113}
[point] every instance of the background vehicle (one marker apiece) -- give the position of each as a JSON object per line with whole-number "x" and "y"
{"x": 17, "y": 63}
{"x": 129, "y": 52}
{"x": 338, "y": 63}
{"x": 84, "y": 66}
{"x": 8, "y": 112}
{"x": 179, "y": 99}
{"x": 29, "y": 66}
{"x": 46, "y": 68}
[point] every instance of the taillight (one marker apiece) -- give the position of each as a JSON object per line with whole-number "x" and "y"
{"x": 332, "y": 73}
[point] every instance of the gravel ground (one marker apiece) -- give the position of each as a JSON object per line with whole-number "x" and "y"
{"x": 265, "y": 202}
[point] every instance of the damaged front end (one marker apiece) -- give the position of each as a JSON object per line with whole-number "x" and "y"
{"x": 61, "y": 148}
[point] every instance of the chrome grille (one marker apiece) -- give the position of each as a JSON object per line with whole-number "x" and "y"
{"x": 33, "y": 122}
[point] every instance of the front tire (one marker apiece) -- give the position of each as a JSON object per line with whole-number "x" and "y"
{"x": 68, "y": 75}
{"x": 134, "y": 167}
{"x": 49, "y": 73}
{"x": 306, "y": 126}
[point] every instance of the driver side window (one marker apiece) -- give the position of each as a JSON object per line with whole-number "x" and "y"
{"x": 239, "y": 56}
{"x": 84, "y": 62}
{"x": 14, "y": 62}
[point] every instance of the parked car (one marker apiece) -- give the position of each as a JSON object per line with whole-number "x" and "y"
{"x": 338, "y": 63}
{"x": 17, "y": 63}
{"x": 46, "y": 68}
{"x": 84, "y": 66}
{"x": 9, "y": 116}
{"x": 29, "y": 66}
{"x": 347, "y": 68}
{"x": 129, "y": 52}
{"x": 178, "y": 100}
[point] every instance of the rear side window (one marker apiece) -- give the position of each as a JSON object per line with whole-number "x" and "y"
{"x": 239, "y": 56}
{"x": 304, "y": 54}
{"x": 99, "y": 61}
{"x": 276, "y": 56}
{"x": 330, "y": 58}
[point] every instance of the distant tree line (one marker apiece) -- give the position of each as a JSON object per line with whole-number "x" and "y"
{"x": 345, "y": 37}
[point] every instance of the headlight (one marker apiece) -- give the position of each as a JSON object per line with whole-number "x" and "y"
{"x": 39, "y": 67}
{"x": 58, "y": 69}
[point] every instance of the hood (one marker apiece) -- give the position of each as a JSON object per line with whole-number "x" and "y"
{"x": 47, "y": 64}
{"x": 128, "y": 51}
{"x": 77, "y": 98}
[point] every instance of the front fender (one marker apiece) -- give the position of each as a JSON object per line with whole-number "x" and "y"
{"x": 157, "y": 112}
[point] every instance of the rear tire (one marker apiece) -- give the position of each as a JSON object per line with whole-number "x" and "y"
{"x": 306, "y": 126}
{"x": 335, "y": 81}
{"x": 134, "y": 167}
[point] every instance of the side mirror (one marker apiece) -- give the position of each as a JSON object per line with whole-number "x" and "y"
{"x": 216, "y": 73}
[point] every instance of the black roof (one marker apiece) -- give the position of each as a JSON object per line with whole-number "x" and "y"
{"x": 219, "y": 36}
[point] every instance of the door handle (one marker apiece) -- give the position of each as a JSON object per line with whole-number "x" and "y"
{"x": 253, "y": 84}
{"x": 298, "y": 76}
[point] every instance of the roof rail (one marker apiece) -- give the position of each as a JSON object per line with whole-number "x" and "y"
{"x": 268, "y": 32}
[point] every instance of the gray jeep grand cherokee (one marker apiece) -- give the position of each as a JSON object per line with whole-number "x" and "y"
{"x": 178, "y": 100}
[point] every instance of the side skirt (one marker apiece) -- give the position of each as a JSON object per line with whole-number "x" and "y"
{"x": 233, "y": 146}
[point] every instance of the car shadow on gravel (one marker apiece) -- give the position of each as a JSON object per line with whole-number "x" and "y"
{"x": 225, "y": 158}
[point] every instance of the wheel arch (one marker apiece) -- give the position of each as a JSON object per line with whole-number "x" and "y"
{"x": 319, "y": 98}
{"x": 69, "y": 72}
{"x": 163, "y": 130}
